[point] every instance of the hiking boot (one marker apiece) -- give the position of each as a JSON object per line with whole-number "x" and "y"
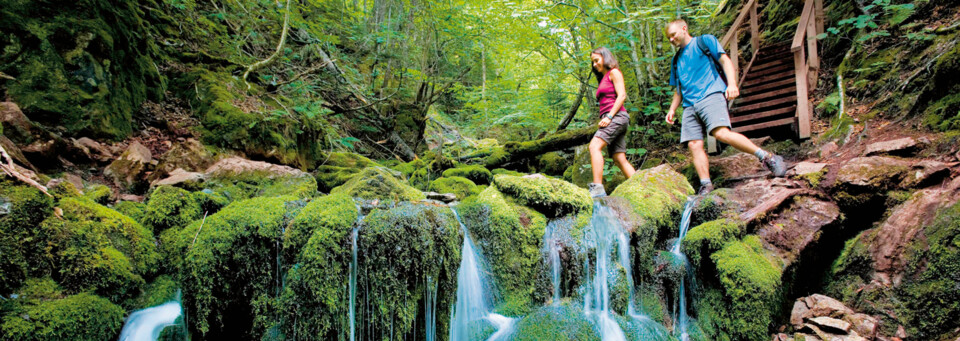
{"x": 774, "y": 164}
{"x": 596, "y": 190}
{"x": 705, "y": 189}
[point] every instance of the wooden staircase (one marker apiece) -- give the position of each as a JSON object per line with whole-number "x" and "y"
{"x": 775, "y": 84}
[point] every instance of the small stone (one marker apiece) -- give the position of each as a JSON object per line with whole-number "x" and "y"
{"x": 830, "y": 323}
{"x": 798, "y": 313}
{"x": 179, "y": 176}
{"x": 131, "y": 197}
{"x": 444, "y": 197}
{"x": 828, "y": 149}
{"x": 804, "y": 168}
{"x": 903, "y": 146}
{"x": 828, "y": 306}
{"x": 864, "y": 324}
{"x": 782, "y": 337}
{"x": 901, "y": 333}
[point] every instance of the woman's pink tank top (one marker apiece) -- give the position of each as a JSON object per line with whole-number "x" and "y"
{"x": 607, "y": 95}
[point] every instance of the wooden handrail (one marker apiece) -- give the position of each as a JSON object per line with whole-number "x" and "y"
{"x": 806, "y": 14}
{"x": 732, "y": 32}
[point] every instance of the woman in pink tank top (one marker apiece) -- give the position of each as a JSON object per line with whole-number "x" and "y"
{"x": 614, "y": 119}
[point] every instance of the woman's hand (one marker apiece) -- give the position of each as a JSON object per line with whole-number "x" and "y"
{"x": 605, "y": 122}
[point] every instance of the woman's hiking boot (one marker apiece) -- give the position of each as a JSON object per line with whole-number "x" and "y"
{"x": 774, "y": 164}
{"x": 596, "y": 190}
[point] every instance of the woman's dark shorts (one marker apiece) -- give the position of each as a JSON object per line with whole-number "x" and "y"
{"x": 615, "y": 134}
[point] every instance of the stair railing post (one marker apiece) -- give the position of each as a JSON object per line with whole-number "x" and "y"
{"x": 754, "y": 28}
{"x": 812, "y": 55}
{"x": 818, "y": 4}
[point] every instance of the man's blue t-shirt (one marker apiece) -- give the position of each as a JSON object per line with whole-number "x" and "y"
{"x": 698, "y": 76}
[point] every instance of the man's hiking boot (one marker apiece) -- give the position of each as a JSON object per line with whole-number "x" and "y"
{"x": 774, "y": 164}
{"x": 705, "y": 189}
{"x": 596, "y": 190}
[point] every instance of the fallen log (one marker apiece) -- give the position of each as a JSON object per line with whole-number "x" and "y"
{"x": 516, "y": 151}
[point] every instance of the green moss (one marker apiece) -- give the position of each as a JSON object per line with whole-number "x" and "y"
{"x": 750, "y": 283}
{"x": 377, "y": 183}
{"x": 228, "y": 261}
{"x": 339, "y": 168}
{"x": 707, "y": 238}
{"x": 510, "y": 237}
{"x": 655, "y": 194}
{"x": 563, "y": 322}
{"x": 96, "y": 224}
{"x": 21, "y": 247}
{"x": 64, "y": 189}
{"x": 81, "y": 65}
{"x": 499, "y": 171}
{"x": 249, "y": 185}
{"x": 99, "y": 194}
{"x": 552, "y": 163}
{"x": 814, "y": 178}
{"x": 333, "y": 214}
{"x": 476, "y": 173}
{"x": 79, "y": 317}
{"x": 410, "y": 167}
{"x": 460, "y": 186}
{"x": 551, "y": 197}
{"x": 170, "y": 207}
{"x": 132, "y": 209}
{"x": 161, "y": 290}
{"x": 106, "y": 271}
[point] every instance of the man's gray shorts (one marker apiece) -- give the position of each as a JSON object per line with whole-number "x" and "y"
{"x": 615, "y": 133}
{"x": 703, "y": 117}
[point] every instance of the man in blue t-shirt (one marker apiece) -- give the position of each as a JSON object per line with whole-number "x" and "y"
{"x": 701, "y": 89}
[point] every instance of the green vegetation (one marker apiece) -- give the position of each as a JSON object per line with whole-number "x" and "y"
{"x": 339, "y": 168}
{"x": 510, "y": 237}
{"x": 78, "y": 317}
{"x": 460, "y": 186}
{"x": 552, "y": 197}
{"x": 704, "y": 240}
{"x": 378, "y": 183}
{"x": 332, "y": 214}
{"x": 99, "y": 193}
{"x": 170, "y": 207}
{"x": 563, "y": 322}
{"x": 476, "y": 173}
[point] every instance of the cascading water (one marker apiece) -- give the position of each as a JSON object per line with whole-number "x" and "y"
{"x": 683, "y": 318}
{"x": 353, "y": 274}
{"x": 551, "y": 241}
{"x": 604, "y": 233}
{"x": 430, "y": 309}
{"x": 146, "y": 324}
{"x": 472, "y": 301}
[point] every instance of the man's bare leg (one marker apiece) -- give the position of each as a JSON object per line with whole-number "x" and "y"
{"x": 700, "y": 161}
{"x": 735, "y": 139}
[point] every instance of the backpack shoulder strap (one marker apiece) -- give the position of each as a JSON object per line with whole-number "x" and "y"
{"x": 703, "y": 47}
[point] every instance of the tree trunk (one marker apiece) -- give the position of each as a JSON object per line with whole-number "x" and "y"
{"x": 576, "y": 103}
{"x": 637, "y": 68}
{"x": 516, "y": 151}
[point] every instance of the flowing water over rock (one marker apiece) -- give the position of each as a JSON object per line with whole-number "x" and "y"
{"x": 473, "y": 301}
{"x": 146, "y": 324}
{"x": 606, "y": 235}
{"x": 683, "y": 319}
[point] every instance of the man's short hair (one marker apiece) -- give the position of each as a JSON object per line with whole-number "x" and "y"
{"x": 677, "y": 22}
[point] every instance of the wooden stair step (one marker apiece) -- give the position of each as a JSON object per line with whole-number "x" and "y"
{"x": 769, "y": 71}
{"x": 760, "y": 96}
{"x": 774, "y": 55}
{"x": 755, "y": 81}
{"x": 768, "y": 124}
{"x": 763, "y": 105}
{"x": 790, "y": 83}
{"x": 778, "y": 112}
{"x": 770, "y": 64}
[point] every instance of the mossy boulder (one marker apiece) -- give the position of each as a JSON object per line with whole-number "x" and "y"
{"x": 132, "y": 209}
{"x": 233, "y": 187}
{"x": 79, "y": 317}
{"x": 748, "y": 293}
{"x": 170, "y": 207}
{"x": 331, "y": 214}
{"x": 228, "y": 261}
{"x": 656, "y": 195}
{"x": 99, "y": 193}
{"x": 20, "y": 244}
{"x": 81, "y": 65}
{"x": 460, "y": 186}
{"x": 339, "y": 168}
{"x": 552, "y": 197}
{"x": 705, "y": 239}
{"x": 476, "y": 173}
{"x": 510, "y": 236}
{"x": 556, "y": 322}
{"x": 161, "y": 290}
{"x": 378, "y": 183}
{"x": 552, "y": 163}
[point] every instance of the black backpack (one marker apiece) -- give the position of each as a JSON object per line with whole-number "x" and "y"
{"x": 703, "y": 47}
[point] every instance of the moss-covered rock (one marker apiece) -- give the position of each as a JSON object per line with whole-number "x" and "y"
{"x": 161, "y": 290}
{"x": 132, "y": 209}
{"x": 21, "y": 247}
{"x": 332, "y": 214}
{"x": 705, "y": 239}
{"x": 460, "y": 186}
{"x": 401, "y": 251}
{"x": 229, "y": 260}
{"x": 749, "y": 292}
{"x": 377, "y": 183}
{"x": 656, "y": 194}
{"x": 234, "y": 187}
{"x": 552, "y": 164}
{"x": 562, "y": 322}
{"x": 476, "y": 173}
{"x": 510, "y": 237}
{"x": 551, "y": 197}
{"x": 170, "y": 207}
{"x": 103, "y": 225}
{"x": 79, "y": 317}
{"x": 99, "y": 194}
{"x": 338, "y": 168}
{"x": 81, "y": 65}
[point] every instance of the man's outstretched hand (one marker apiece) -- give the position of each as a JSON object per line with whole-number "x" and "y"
{"x": 670, "y": 114}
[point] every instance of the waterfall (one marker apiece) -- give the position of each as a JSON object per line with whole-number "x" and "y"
{"x": 551, "y": 242}
{"x": 146, "y": 324}
{"x": 683, "y": 318}
{"x": 353, "y": 284}
{"x": 472, "y": 301}
{"x": 606, "y": 234}
{"x": 430, "y": 309}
